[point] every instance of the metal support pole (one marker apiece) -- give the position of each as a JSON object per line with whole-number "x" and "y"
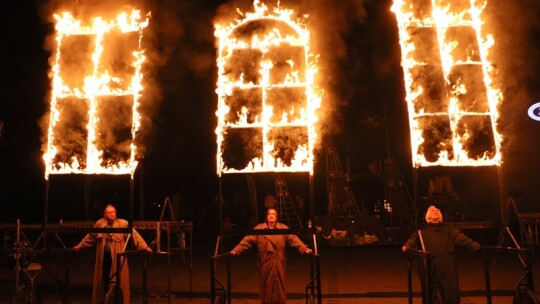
{"x": 487, "y": 260}
{"x": 18, "y": 251}
{"x": 168, "y": 265}
{"x": 229, "y": 284}
{"x": 312, "y": 276}
{"x": 191, "y": 263}
{"x": 212, "y": 280}
{"x": 415, "y": 195}
{"x": 529, "y": 271}
{"x": 318, "y": 272}
{"x": 429, "y": 290}
{"x": 130, "y": 208}
{"x": 67, "y": 258}
{"x": 503, "y": 206}
{"x": 220, "y": 227}
{"x": 312, "y": 203}
{"x": 117, "y": 290}
{"x": 45, "y": 214}
{"x": 409, "y": 278}
{"x": 145, "y": 277}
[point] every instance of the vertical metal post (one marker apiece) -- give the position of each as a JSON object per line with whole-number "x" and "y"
{"x": 503, "y": 206}
{"x": 312, "y": 276}
{"x": 117, "y": 289}
{"x": 45, "y": 214}
{"x": 169, "y": 264}
{"x": 145, "y": 277}
{"x": 18, "y": 266}
{"x": 130, "y": 207}
{"x": 318, "y": 271}
{"x": 67, "y": 258}
{"x": 428, "y": 280}
{"x": 415, "y": 195}
{"x": 229, "y": 284}
{"x": 487, "y": 260}
{"x": 191, "y": 263}
{"x": 312, "y": 203}
{"x": 409, "y": 277}
{"x": 220, "y": 226}
{"x": 529, "y": 270}
{"x": 212, "y": 280}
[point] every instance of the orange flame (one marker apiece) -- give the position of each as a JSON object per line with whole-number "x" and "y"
{"x": 267, "y": 95}
{"x": 96, "y": 87}
{"x": 452, "y": 116}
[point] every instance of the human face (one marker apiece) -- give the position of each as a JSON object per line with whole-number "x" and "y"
{"x": 110, "y": 213}
{"x": 271, "y": 216}
{"x": 433, "y": 215}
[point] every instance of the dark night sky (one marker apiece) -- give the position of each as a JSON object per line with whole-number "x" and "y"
{"x": 363, "y": 83}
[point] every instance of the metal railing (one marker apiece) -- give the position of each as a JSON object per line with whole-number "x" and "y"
{"x": 222, "y": 293}
{"x": 425, "y": 276}
{"x": 525, "y": 286}
{"x": 120, "y": 258}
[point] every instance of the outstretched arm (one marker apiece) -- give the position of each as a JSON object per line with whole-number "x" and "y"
{"x": 294, "y": 241}
{"x": 246, "y": 243}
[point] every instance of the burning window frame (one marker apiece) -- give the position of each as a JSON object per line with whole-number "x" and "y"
{"x": 257, "y": 119}
{"x": 74, "y": 149}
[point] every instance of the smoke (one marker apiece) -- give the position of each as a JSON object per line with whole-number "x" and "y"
{"x": 331, "y": 24}
{"x": 515, "y": 26}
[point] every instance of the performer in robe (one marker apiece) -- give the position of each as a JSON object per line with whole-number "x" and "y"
{"x": 107, "y": 246}
{"x": 271, "y": 257}
{"x": 439, "y": 239}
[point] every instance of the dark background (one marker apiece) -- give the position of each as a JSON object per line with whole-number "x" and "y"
{"x": 364, "y": 114}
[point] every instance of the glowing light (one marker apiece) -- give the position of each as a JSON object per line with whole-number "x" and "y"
{"x": 534, "y": 111}
{"x": 267, "y": 95}
{"x": 96, "y": 86}
{"x": 445, "y": 52}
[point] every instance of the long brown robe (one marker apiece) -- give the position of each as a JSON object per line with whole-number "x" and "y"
{"x": 117, "y": 246}
{"x": 439, "y": 241}
{"x": 272, "y": 263}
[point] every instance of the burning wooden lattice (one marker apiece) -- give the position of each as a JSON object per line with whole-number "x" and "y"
{"x": 96, "y": 87}
{"x": 451, "y": 99}
{"x": 266, "y": 94}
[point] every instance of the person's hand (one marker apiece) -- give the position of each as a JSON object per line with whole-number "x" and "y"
{"x": 148, "y": 249}
{"x": 404, "y": 248}
{"x": 76, "y": 248}
{"x": 233, "y": 253}
{"x": 309, "y": 251}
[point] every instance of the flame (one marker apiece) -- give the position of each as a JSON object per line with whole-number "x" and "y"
{"x": 86, "y": 86}
{"x": 452, "y": 117}
{"x": 267, "y": 95}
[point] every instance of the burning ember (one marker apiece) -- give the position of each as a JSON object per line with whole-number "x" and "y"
{"x": 96, "y": 87}
{"x": 451, "y": 100}
{"x": 266, "y": 93}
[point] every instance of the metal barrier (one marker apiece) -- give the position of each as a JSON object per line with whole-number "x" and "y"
{"x": 220, "y": 293}
{"x": 426, "y": 279}
{"x": 525, "y": 286}
{"x": 120, "y": 258}
{"x": 165, "y": 229}
{"x": 29, "y": 266}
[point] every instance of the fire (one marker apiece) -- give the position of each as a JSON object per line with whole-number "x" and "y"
{"x": 267, "y": 95}
{"x": 96, "y": 87}
{"x": 451, "y": 98}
